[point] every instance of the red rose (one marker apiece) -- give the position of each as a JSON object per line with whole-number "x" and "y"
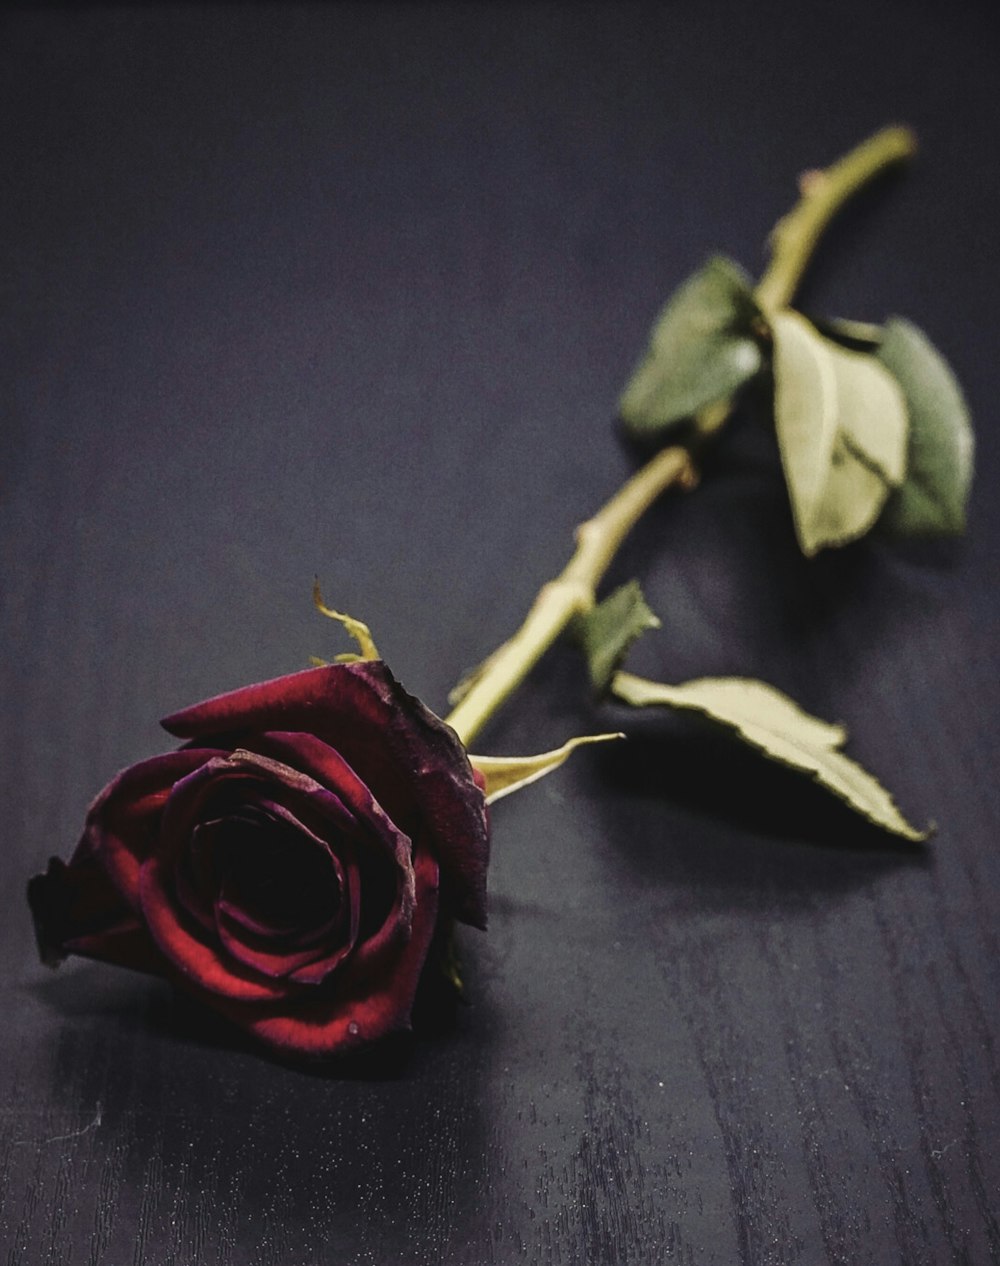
{"x": 289, "y": 865}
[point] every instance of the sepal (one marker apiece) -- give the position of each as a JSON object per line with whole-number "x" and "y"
{"x": 505, "y": 774}
{"x": 774, "y": 724}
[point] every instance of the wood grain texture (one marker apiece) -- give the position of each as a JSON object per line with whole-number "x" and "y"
{"x": 352, "y": 290}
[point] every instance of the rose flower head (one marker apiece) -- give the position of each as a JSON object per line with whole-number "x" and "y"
{"x": 290, "y": 865}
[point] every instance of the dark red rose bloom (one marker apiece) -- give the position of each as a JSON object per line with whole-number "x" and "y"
{"x": 290, "y": 865}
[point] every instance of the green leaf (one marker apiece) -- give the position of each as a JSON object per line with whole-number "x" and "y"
{"x": 608, "y": 630}
{"x": 770, "y": 721}
{"x": 842, "y": 429}
{"x": 932, "y": 500}
{"x": 702, "y": 349}
{"x": 504, "y": 774}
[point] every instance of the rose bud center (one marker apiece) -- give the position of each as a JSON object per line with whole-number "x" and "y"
{"x": 273, "y": 878}
{"x": 276, "y": 893}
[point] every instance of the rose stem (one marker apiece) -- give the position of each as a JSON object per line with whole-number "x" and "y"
{"x": 794, "y": 238}
{"x": 573, "y": 591}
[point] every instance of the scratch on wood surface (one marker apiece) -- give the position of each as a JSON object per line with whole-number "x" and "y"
{"x": 61, "y": 1138}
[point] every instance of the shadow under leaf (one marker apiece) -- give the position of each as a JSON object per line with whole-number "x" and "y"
{"x": 752, "y": 831}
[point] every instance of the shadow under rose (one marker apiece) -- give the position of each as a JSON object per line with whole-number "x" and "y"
{"x": 136, "y": 1003}
{"x": 217, "y": 1153}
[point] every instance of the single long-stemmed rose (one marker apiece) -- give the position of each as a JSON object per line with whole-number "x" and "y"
{"x": 293, "y": 864}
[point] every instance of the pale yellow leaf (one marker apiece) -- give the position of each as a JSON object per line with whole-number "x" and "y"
{"x": 851, "y": 502}
{"x": 842, "y": 429}
{"x": 770, "y": 721}
{"x": 504, "y": 774}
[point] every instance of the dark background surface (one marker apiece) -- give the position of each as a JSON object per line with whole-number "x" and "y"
{"x": 352, "y": 290}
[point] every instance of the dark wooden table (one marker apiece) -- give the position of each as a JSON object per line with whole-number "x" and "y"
{"x": 351, "y": 291}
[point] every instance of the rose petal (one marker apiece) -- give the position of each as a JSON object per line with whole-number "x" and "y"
{"x": 413, "y": 763}
{"x": 244, "y": 778}
{"x": 276, "y": 964}
{"x": 375, "y": 949}
{"x": 78, "y": 910}
{"x": 327, "y": 768}
{"x": 189, "y": 947}
{"x": 376, "y": 832}
{"x": 249, "y": 941}
{"x": 123, "y": 822}
{"x": 215, "y": 857}
{"x": 318, "y": 762}
{"x": 297, "y": 933}
{"x": 247, "y": 780}
{"x": 221, "y": 787}
{"x": 366, "y": 1004}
